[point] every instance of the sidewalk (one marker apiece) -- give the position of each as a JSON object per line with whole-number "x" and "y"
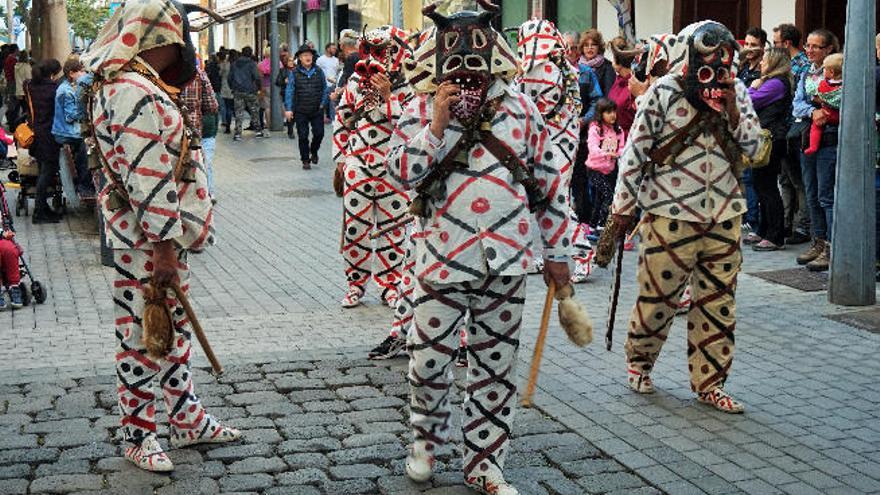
{"x": 269, "y": 292}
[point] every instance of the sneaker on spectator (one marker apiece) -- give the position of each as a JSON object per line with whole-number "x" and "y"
{"x": 3, "y": 304}
{"x": 815, "y": 250}
{"x": 16, "y": 298}
{"x": 236, "y": 137}
{"x": 389, "y": 348}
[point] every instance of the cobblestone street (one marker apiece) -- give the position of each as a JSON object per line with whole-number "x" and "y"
{"x": 319, "y": 418}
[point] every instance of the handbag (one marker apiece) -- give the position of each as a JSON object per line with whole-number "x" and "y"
{"x": 24, "y": 133}
{"x": 762, "y": 157}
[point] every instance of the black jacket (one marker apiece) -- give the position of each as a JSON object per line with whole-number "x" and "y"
{"x": 244, "y": 76}
{"x": 212, "y": 69}
{"x": 309, "y": 91}
{"x": 42, "y": 95}
{"x": 607, "y": 76}
{"x": 776, "y": 117}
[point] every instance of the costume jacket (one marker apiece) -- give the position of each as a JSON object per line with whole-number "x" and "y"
{"x": 701, "y": 185}
{"x": 158, "y": 209}
{"x": 482, "y": 228}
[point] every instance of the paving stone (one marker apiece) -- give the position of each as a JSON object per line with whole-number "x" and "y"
{"x": 304, "y": 432}
{"x": 365, "y": 440}
{"x": 136, "y": 479}
{"x": 358, "y": 471}
{"x": 292, "y": 384}
{"x": 92, "y": 451}
{"x": 65, "y": 483}
{"x": 377, "y": 403}
{"x": 350, "y": 487}
{"x": 321, "y": 444}
{"x": 16, "y": 420}
{"x": 13, "y": 441}
{"x": 288, "y": 366}
{"x": 326, "y": 406}
{"x": 360, "y": 392}
{"x": 307, "y": 460}
{"x": 307, "y": 476}
{"x": 191, "y": 486}
{"x": 400, "y": 485}
{"x": 375, "y": 453}
{"x": 209, "y": 469}
{"x": 382, "y": 427}
{"x": 75, "y": 438}
{"x": 544, "y": 441}
{"x": 258, "y": 465}
{"x": 274, "y": 409}
{"x": 307, "y": 419}
{"x": 605, "y": 482}
{"x": 258, "y": 386}
{"x": 312, "y": 395}
{"x": 65, "y": 467}
{"x": 237, "y": 452}
{"x": 15, "y": 471}
{"x": 341, "y": 430}
{"x": 292, "y": 490}
{"x": 63, "y": 425}
{"x": 251, "y": 423}
{"x": 14, "y": 486}
{"x": 558, "y": 455}
{"x": 371, "y": 415}
{"x": 249, "y": 398}
{"x": 244, "y": 482}
{"x": 262, "y": 435}
{"x": 29, "y": 456}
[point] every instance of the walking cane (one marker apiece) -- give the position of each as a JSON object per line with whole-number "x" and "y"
{"x": 197, "y": 327}
{"x": 539, "y": 346}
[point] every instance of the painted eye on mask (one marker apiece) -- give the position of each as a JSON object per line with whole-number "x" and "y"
{"x": 450, "y": 40}
{"x": 479, "y": 39}
{"x": 723, "y": 73}
{"x": 705, "y": 75}
{"x": 726, "y": 55}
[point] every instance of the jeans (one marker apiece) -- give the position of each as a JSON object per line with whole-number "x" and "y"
{"x": 819, "y": 174}
{"x": 83, "y": 182}
{"x": 331, "y": 110}
{"x": 228, "y": 111}
{"x": 209, "y": 144}
{"x": 302, "y": 131}
{"x": 771, "y": 225}
{"x": 753, "y": 211}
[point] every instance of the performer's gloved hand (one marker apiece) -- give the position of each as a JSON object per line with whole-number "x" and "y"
{"x": 447, "y": 95}
{"x": 382, "y": 84}
{"x": 556, "y": 272}
{"x": 165, "y": 264}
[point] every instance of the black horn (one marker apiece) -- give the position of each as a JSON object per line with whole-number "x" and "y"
{"x": 189, "y": 8}
{"x": 430, "y": 11}
{"x": 489, "y": 6}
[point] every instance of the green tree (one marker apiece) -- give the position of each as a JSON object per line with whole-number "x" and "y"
{"x": 86, "y": 17}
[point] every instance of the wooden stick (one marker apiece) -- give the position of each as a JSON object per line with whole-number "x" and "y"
{"x": 396, "y": 225}
{"x": 539, "y": 346}
{"x": 197, "y": 327}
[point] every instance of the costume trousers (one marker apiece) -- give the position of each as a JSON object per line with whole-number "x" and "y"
{"x": 493, "y": 324}
{"x": 371, "y": 201}
{"x": 247, "y": 104}
{"x": 673, "y": 253}
{"x": 403, "y": 311}
{"x": 137, "y": 374}
{"x": 10, "y": 275}
{"x": 303, "y": 122}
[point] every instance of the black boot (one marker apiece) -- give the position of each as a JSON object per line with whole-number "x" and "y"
{"x": 45, "y": 215}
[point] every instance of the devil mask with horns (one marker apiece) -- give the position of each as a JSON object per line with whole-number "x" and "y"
{"x": 463, "y": 48}
{"x": 383, "y": 50}
{"x": 143, "y": 25}
{"x": 711, "y": 64}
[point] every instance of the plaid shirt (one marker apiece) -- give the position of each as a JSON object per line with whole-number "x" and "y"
{"x": 198, "y": 98}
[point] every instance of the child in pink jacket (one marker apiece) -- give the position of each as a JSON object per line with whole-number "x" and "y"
{"x": 605, "y": 141}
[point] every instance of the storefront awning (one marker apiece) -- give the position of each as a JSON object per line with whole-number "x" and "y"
{"x": 201, "y": 21}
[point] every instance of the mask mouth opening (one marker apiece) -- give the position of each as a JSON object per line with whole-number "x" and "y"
{"x": 473, "y": 86}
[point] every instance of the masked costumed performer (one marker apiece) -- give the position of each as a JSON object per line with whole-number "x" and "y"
{"x": 156, "y": 207}
{"x": 471, "y": 147}
{"x": 369, "y": 108}
{"x": 551, "y": 81}
{"x": 682, "y": 167}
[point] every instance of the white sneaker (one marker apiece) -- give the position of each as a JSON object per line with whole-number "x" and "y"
{"x": 490, "y": 486}
{"x": 217, "y": 433}
{"x": 149, "y": 456}
{"x": 419, "y": 463}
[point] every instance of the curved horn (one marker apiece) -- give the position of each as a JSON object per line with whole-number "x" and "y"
{"x": 701, "y": 45}
{"x": 628, "y": 52}
{"x": 192, "y": 7}
{"x": 489, "y": 6}
{"x": 430, "y": 11}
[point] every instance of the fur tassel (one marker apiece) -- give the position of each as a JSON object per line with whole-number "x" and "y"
{"x": 573, "y": 317}
{"x": 158, "y": 327}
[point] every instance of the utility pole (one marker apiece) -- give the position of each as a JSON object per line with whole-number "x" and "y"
{"x": 276, "y": 120}
{"x": 854, "y": 245}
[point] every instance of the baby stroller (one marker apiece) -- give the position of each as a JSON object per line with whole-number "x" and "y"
{"x": 36, "y": 289}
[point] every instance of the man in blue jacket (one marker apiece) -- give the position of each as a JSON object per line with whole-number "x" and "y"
{"x": 305, "y": 99}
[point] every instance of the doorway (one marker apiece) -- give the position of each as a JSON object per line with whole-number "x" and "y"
{"x": 828, "y": 14}
{"x": 737, "y": 15}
